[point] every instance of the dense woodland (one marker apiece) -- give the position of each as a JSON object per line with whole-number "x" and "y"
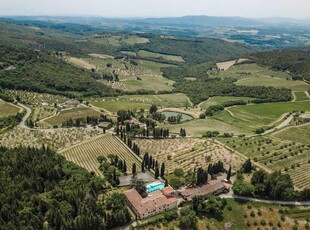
{"x": 40, "y": 72}
{"x": 39, "y": 188}
{"x": 295, "y": 61}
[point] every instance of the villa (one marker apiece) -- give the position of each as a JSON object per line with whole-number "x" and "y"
{"x": 155, "y": 203}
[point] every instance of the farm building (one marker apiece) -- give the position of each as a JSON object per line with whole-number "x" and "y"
{"x": 157, "y": 202}
{"x": 213, "y": 187}
{"x": 104, "y": 125}
{"x": 69, "y": 103}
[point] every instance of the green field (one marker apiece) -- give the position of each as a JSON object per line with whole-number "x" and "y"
{"x": 115, "y": 106}
{"x": 156, "y": 83}
{"x": 301, "y": 134}
{"x": 175, "y": 100}
{"x": 198, "y": 127}
{"x": 220, "y": 100}
{"x": 274, "y": 82}
{"x": 260, "y": 115}
{"x": 252, "y": 70}
{"x": 7, "y": 109}
{"x": 301, "y": 96}
{"x": 148, "y": 54}
{"x": 73, "y": 113}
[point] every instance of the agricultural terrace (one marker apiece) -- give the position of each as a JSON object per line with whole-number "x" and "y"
{"x": 156, "y": 83}
{"x": 42, "y": 104}
{"x": 288, "y": 156}
{"x": 220, "y": 100}
{"x": 274, "y": 82}
{"x": 114, "y": 106}
{"x": 85, "y": 154}
{"x": 162, "y": 100}
{"x": 198, "y": 127}
{"x": 7, "y": 109}
{"x": 187, "y": 153}
{"x": 256, "y": 116}
{"x": 55, "y": 139}
{"x": 72, "y": 113}
{"x": 148, "y": 54}
{"x": 301, "y": 96}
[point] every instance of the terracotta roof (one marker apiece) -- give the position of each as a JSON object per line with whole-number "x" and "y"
{"x": 168, "y": 190}
{"x": 148, "y": 204}
{"x": 211, "y": 187}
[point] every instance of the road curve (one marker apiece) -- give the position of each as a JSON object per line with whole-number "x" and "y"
{"x": 293, "y": 203}
{"x": 28, "y": 113}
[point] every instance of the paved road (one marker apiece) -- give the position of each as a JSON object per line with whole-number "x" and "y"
{"x": 286, "y": 122}
{"x": 28, "y": 113}
{"x": 294, "y": 203}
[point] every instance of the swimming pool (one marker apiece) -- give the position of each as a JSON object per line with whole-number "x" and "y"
{"x": 155, "y": 186}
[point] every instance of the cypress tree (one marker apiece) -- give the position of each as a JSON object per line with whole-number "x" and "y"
{"x": 229, "y": 173}
{"x": 142, "y": 166}
{"x": 124, "y": 167}
{"x": 134, "y": 169}
{"x": 162, "y": 170}
{"x": 156, "y": 173}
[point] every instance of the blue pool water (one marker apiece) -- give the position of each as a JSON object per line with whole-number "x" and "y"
{"x": 155, "y": 186}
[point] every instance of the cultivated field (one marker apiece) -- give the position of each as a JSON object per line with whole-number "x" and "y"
{"x": 274, "y": 82}
{"x": 73, "y": 113}
{"x": 198, "y": 127}
{"x": 85, "y": 154}
{"x": 260, "y": 115}
{"x": 298, "y": 134}
{"x": 80, "y": 63}
{"x": 103, "y": 56}
{"x": 220, "y": 100}
{"x": 225, "y": 65}
{"x": 7, "y": 109}
{"x": 114, "y": 105}
{"x": 117, "y": 40}
{"x": 187, "y": 153}
{"x": 156, "y": 83}
{"x": 252, "y": 70}
{"x": 162, "y": 100}
{"x": 276, "y": 154}
{"x": 301, "y": 96}
{"x": 42, "y": 104}
{"x": 56, "y": 139}
{"x": 146, "y": 54}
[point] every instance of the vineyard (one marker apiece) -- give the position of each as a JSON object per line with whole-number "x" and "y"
{"x": 287, "y": 156}
{"x": 85, "y": 154}
{"x": 187, "y": 153}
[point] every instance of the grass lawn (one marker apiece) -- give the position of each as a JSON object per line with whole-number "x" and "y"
{"x": 301, "y": 96}
{"x": 146, "y": 54}
{"x": 7, "y": 109}
{"x": 274, "y": 82}
{"x": 115, "y": 106}
{"x": 72, "y": 113}
{"x": 221, "y": 100}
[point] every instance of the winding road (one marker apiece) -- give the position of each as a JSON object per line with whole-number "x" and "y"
{"x": 279, "y": 202}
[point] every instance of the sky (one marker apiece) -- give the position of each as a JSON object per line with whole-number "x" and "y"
{"x": 158, "y": 8}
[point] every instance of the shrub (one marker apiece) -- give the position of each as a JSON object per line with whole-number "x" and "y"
{"x": 263, "y": 222}
{"x": 252, "y": 214}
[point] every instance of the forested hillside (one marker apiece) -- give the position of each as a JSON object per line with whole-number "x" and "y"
{"x": 39, "y": 71}
{"x": 295, "y": 61}
{"x": 39, "y": 188}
